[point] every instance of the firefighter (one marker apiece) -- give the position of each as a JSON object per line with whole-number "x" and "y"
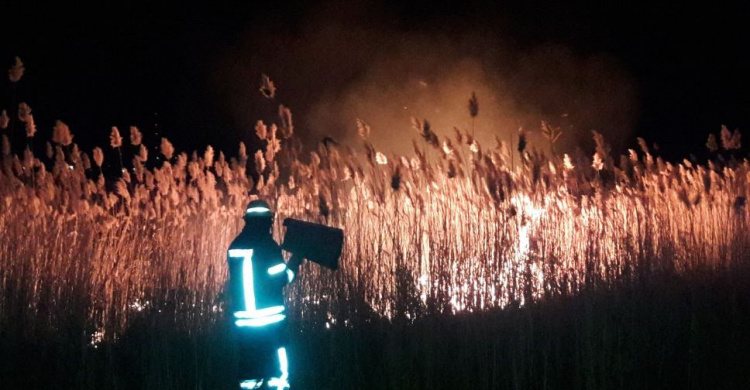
{"x": 257, "y": 276}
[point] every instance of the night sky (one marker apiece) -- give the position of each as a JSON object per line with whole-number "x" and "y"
{"x": 100, "y": 66}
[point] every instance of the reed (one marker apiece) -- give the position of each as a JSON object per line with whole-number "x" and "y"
{"x": 447, "y": 231}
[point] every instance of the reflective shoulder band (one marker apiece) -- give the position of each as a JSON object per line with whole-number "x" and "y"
{"x": 290, "y": 275}
{"x": 278, "y": 268}
{"x": 240, "y": 252}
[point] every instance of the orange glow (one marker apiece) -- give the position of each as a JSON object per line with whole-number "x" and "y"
{"x": 437, "y": 231}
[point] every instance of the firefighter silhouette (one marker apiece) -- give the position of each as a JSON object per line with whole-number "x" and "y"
{"x": 257, "y": 276}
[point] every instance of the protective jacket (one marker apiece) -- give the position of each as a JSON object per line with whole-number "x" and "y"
{"x": 257, "y": 276}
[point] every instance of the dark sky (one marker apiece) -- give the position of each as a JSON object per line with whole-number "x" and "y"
{"x": 99, "y": 66}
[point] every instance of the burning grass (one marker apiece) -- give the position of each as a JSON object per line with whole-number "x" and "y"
{"x": 457, "y": 227}
{"x": 452, "y": 228}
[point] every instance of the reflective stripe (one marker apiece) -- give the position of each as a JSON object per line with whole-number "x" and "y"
{"x": 283, "y": 382}
{"x": 247, "y": 281}
{"x": 257, "y": 210}
{"x": 247, "y": 276}
{"x": 278, "y": 383}
{"x": 260, "y": 313}
{"x": 283, "y": 363}
{"x": 240, "y": 252}
{"x": 251, "y": 384}
{"x": 256, "y": 322}
{"x": 276, "y": 269}
{"x": 290, "y": 275}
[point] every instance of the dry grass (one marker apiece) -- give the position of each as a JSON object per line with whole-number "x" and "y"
{"x": 447, "y": 230}
{"x": 451, "y": 229}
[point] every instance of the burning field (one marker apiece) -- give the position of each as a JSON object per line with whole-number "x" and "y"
{"x": 456, "y": 229}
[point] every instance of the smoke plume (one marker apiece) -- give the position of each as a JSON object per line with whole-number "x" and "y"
{"x": 359, "y": 64}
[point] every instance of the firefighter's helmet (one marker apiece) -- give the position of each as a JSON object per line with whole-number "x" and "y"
{"x": 258, "y": 209}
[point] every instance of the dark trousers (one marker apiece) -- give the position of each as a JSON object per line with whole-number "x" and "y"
{"x": 258, "y": 350}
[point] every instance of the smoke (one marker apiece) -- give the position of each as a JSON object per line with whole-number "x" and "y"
{"x": 336, "y": 68}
